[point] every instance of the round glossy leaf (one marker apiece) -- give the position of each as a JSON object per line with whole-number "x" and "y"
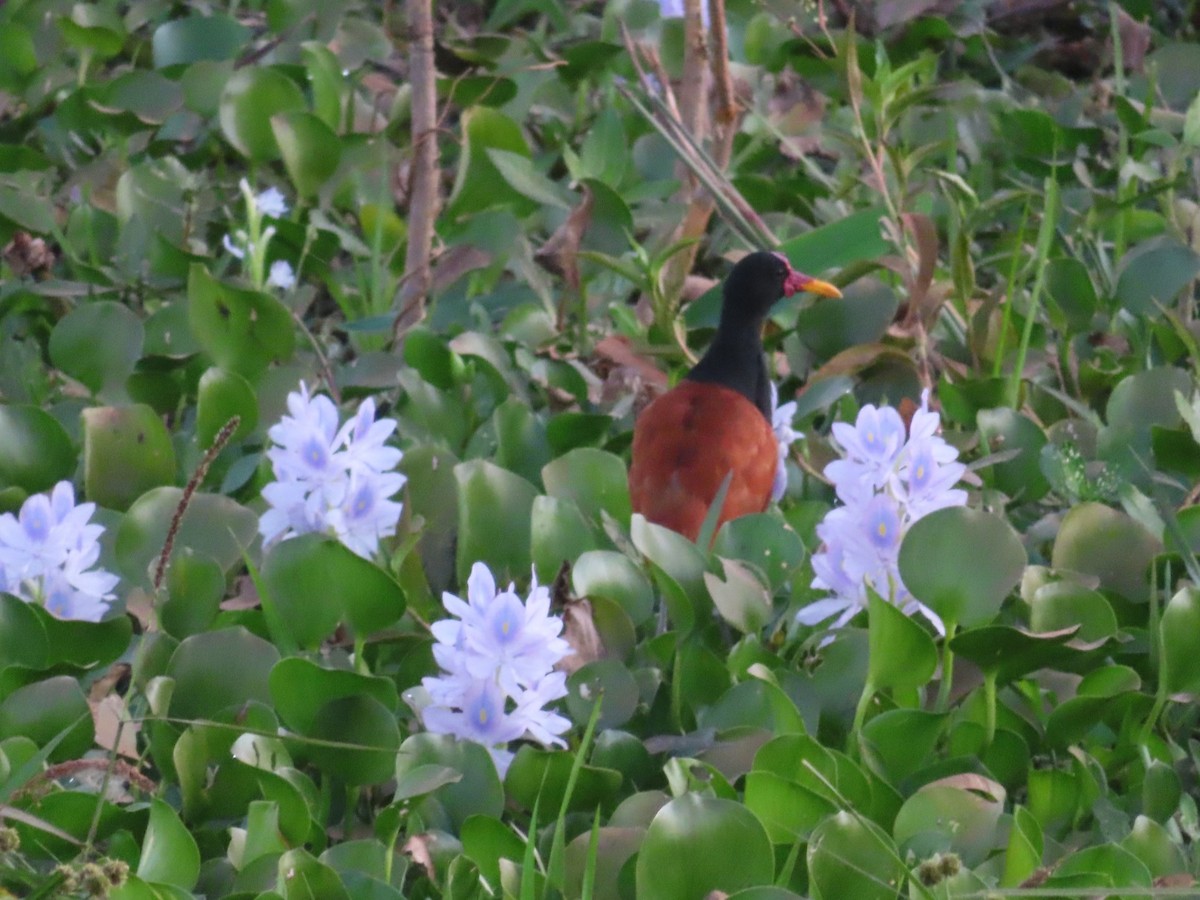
{"x": 314, "y": 582}
{"x": 479, "y": 791}
{"x": 542, "y": 776}
{"x": 1153, "y": 845}
{"x": 902, "y": 652}
{"x": 195, "y": 586}
{"x": 493, "y": 504}
{"x": 218, "y": 670}
{"x": 169, "y": 852}
{"x": 766, "y": 542}
{"x": 98, "y": 343}
{"x": 1179, "y": 632}
{"x": 960, "y": 813}
{"x": 252, "y": 96}
{"x": 1070, "y": 288}
{"x": 570, "y": 431}
{"x": 1154, "y": 273}
{"x": 1005, "y": 430}
{"x": 608, "y": 681}
{"x": 594, "y": 479}
{"x": 35, "y": 451}
{"x": 1025, "y": 847}
{"x": 961, "y": 563}
{"x": 84, "y": 644}
{"x": 1011, "y": 652}
{"x": 196, "y": 38}
{"x": 558, "y": 533}
{"x": 126, "y": 451}
{"x": 243, "y": 331}
{"x": 681, "y": 561}
{"x": 303, "y": 877}
{"x": 614, "y": 847}
{"x": 611, "y": 575}
{"x": 22, "y": 637}
{"x": 826, "y": 772}
{"x": 1065, "y": 604}
{"x": 858, "y": 319}
{"x": 212, "y": 526}
{"x": 486, "y": 840}
{"x": 901, "y": 740}
{"x": 753, "y": 704}
{"x": 740, "y": 599}
{"x": 789, "y": 810}
{"x": 42, "y": 710}
{"x": 222, "y": 395}
{"x": 702, "y": 831}
{"x": 310, "y": 149}
{"x": 1114, "y": 864}
{"x": 1148, "y": 398}
{"x": 1098, "y": 540}
{"x": 849, "y": 856}
{"x": 365, "y": 723}
{"x": 300, "y": 688}
{"x": 438, "y": 364}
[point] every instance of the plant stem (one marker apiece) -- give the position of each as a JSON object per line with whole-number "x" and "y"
{"x": 1045, "y": 237}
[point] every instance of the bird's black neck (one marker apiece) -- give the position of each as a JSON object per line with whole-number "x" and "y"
{"x": 735, "y": 360}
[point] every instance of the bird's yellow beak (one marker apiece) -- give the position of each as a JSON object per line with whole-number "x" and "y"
{"x": 798, "y": 281}
{"x": 819, "y": 287}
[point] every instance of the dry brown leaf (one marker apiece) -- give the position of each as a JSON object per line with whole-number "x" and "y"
{"x": 28, "y": 255}
{"x": 417, "y": 848}
{"x": 559, "y": 255}
{"x": 579, "y": 630}
{"x": 617, "y": 350}
{"x": 1135, "y": 40}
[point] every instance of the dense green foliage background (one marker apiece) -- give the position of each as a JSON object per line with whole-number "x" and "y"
{"x": 1007, "y": 195}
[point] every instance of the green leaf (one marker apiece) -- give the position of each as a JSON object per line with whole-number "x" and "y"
{"x": 1154, "y": 273}
{"x": 366, "y": 735}
{"x": 195, "y": 38}
{"x": 702, "y": 830}
{"x": 195, "y": 587}
{"x": 98, "y": 343}
{"x": 169, "y": 852}
{"x": 35, "y": 450}
{"x": 960, "y": 813}
{"x": 213, "y": 526}
{"x": 541, "y": 777}
{"x": 1098, "y": 540}
{"x": 310, "y": 150}
{"x": 491, "y": 503}
{"x": 741, "y": 600}
{"x": 222, "y": 395}
{"x": 479, "y": 184}
{"x": 558, "y": 534}
{"x": 252, "y": 97}
{"x": 314, "y": 582}
{"x": 479, "y": 792}
{"x": 961, "y": 563}
{"x": 1025, "y": 847}
{"x": 219, "y": 670}
{"x": 1064, "y": 604}
{"x": 44, "y": 709}
{"x": 849, "y": 856}
{"x": 243, "y": 331}
{"x": 303, "y": 877}
{"x": 596, "y": 481}
{"x": 126, "y": 451}
{"x": 300, "y": 688}
{"x": 903, "y": 655}
{"x": 612, "y": 576}
{"x": 1004, "y": 430}
{"x": 1179, "y": 633}
{"x": 517, "y": 169}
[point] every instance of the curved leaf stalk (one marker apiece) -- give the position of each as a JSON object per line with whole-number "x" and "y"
{"x": 218, "y": 444}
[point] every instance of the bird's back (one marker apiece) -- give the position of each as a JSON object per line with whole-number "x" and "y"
{"x": 686, "y": 442}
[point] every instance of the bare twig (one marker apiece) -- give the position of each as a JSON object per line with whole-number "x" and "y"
{"x": 423, "y": 180}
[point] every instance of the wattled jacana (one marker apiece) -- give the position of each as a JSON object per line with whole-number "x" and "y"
{"x": 717, "y": 421}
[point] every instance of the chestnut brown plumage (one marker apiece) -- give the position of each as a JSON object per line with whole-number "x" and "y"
{"x": 717, "y": 421}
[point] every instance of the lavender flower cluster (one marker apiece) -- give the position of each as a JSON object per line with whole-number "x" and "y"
{"x": 886, "y": 481}
{"x": 48, "y": 553}
{"x": 497, "y": 657}
{"x": 330, "y": 479}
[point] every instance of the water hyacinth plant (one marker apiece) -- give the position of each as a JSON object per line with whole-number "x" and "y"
{"x": 329, "y": 479}
{"x": 48, "y": 554}
{"x": 782, "y": 418}
{"x": 250, "y": 245}
{"x": 497, "y": 655}
{"x": 886, "y": 481}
